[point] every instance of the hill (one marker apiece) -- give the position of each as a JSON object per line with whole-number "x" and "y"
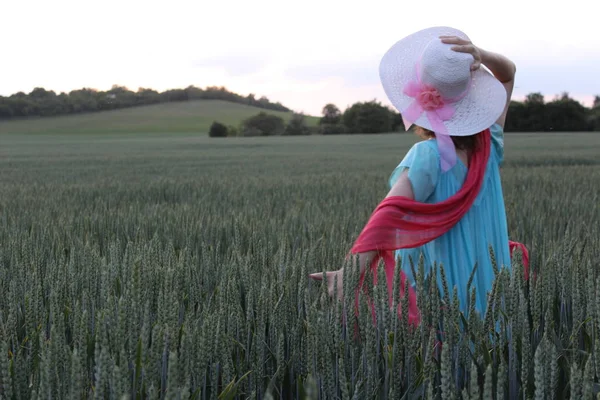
{"x": 176, "y": 117}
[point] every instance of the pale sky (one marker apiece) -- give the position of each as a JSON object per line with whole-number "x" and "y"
{"x": 301, "y": 53}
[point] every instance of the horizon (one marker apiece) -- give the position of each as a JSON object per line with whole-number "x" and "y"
{"x": 278, "y": 57}
{"x": 547, "y": 98}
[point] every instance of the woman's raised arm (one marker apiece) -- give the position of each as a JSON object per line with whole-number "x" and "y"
{"x": 503, "y": 69}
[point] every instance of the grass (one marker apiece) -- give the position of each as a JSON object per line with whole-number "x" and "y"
{"x": 175, "y": 265}
{"x": 168, "y": 118}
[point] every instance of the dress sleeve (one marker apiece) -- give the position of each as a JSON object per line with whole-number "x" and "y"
{"x": 423, "y": 164}
{"x": 498, "y": 142}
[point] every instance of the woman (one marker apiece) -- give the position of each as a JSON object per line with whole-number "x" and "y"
{"x": 446, "y": 199}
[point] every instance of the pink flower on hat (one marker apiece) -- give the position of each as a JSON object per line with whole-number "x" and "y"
{"x": 428, "y": 101}
{"x": 429, "y": 98}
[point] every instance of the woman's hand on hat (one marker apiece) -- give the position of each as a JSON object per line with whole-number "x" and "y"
{"x": 464, "y": 46}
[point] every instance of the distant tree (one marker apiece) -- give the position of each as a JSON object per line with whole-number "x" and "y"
{"x": 147, "y": 96}
{"x": 6, "y": 110}
{"x": 536, "y": 108}
{"x": 47, "y": 103}
{"x": 267, "y": 124}
{"x": 41, "y": 94}
{"x": 174, "y": 95}
{"x": 516, "y": 117}
{"x": 264, "y": 101}
{"x": 23, "y": 106}
{"x": 593, "y": 120}
{"x": 594, "y": 116}
{"x": 397, "y": 123}
{"x": 534, "y": 98}
{"x": 331, "y": 115}
{"x": 368, "y": 117}
{"x": 297, "y": 125}
{"x": 117, "y": 89}
{"x": 565, "y": 115}
{"x": 194, "y": 93}
{"x": 117, "y": 97}
{"x": 217, "y": 130}
{"x": 83, "y": 100}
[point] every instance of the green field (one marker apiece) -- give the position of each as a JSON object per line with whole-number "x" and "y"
{"x": 172, "y": 266}
{"x": 168, "y": 118}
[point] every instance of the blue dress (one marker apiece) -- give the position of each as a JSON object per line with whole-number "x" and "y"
{"x": 467, "y": 243}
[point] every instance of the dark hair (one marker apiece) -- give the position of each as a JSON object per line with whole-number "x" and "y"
{"x": 466, "y": 143}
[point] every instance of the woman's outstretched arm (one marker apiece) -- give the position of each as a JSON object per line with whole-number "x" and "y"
{"x": 402, "y": 187}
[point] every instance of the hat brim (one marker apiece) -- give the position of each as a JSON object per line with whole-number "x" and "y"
{"x": 478, "y": 110}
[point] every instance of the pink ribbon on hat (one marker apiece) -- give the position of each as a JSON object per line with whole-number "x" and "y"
{"x": 437, "y": 108}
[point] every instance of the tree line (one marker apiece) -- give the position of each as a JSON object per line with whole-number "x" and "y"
{"x": 361, "y": 117}
{"x": 264, "y": 124}
{"x": 534, "y": 114}
{"x": 45, "y": 103}
{"x": 563, "y": 114}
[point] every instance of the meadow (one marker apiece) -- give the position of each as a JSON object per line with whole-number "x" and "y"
{"x": 167, "y": 118}
{"x": 175, "y": 266}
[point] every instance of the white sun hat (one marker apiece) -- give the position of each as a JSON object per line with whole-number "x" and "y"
{"x": 432, "y": 86}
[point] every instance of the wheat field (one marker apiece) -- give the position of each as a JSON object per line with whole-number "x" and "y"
{"x": 175, "y": 267}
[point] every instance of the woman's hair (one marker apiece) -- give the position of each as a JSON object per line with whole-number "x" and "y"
{"x": 466, "y": 143}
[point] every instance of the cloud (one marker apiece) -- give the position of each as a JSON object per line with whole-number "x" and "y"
{"x": 554, "y": 79}
{"x": 235, "y": 64}
{"x": 303, "y": 58}
{"x": 311, "y": 97}
{"x": 353, "y": 74}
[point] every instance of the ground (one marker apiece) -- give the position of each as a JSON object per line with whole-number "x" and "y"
{"x": 131, "y": 250}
